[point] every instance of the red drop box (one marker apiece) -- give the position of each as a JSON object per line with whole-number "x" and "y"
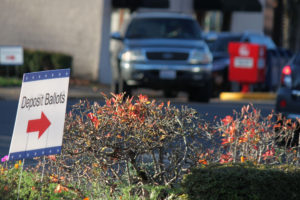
{"x": 247, "y": 62}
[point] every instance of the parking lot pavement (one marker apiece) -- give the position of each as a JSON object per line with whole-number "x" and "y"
{"x": 75, "y": 91}
{"x": 8, "y": 93}
{"x": 94, "y": 91}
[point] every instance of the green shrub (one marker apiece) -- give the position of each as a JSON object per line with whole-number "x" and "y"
{"x": 60, "y": 61}
{"x": 37, "y": 60}
{"x": 240, "y": 181}
{"x": 34, "y": 60}
{"x": 10, "y": 82}
{"x": 31, "y": 186}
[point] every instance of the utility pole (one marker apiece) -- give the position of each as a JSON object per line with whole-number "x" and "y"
{"x": 278, "y": 22}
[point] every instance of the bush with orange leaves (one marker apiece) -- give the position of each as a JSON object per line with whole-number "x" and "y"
{"x": 131, "y": 141}
{"x": 247, "y": 136}
{"x": 135, "y": 146}
{"x": 136, "y": 142}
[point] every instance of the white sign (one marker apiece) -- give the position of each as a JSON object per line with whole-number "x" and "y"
{"x": 11, "y": 55}
{"x": 40, "y": 116}
{"x": 241, "y": 62}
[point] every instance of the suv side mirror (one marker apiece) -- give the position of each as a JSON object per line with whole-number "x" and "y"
{"x": 116, "y": 36}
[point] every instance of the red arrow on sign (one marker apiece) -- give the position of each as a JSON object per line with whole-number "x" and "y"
{"x": 40, "y": 125}
{"x": 12, "y": 57}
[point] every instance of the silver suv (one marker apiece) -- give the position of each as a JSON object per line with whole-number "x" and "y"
{"x": 162, "y": 51}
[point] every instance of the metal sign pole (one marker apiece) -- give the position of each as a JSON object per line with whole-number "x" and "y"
{"x": 43, "y": 170}
{"x": 20, "y": 179}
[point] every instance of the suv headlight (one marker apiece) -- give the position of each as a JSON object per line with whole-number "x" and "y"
{"x": 200, "y": 57}
{"x": 133, "y": 55}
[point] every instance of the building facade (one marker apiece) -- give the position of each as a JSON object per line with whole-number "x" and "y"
{"x": 74, "y": 27}
{"x": 82, "y": 28}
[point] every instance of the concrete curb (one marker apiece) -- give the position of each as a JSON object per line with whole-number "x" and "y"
{"x": 232, "y": 96}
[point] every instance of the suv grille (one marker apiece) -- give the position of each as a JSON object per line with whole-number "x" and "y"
{"x": 167, "y": 56}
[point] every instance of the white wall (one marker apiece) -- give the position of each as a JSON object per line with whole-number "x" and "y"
{"x": 185, "y": 6}
{"x": 242, "y": 21}
{"x": 248, "y": 21}
{"x": 68, "y": 26}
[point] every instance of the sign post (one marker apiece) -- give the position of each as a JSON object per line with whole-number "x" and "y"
{"x": 39, "y": 124}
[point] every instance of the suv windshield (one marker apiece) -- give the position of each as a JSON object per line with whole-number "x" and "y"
{"x": 221, "y": 44}
{"x": 163, "y": 28}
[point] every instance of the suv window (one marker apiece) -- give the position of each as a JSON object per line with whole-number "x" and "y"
{"x": 163, "y": 28}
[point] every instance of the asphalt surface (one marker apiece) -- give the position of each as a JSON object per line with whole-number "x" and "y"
{"x": 75, "y": 91}
{"x": 94, "y": 91}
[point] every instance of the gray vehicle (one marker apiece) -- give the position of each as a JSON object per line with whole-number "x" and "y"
{"x": 288, "y": 94}
{"x": 162, "y": 51}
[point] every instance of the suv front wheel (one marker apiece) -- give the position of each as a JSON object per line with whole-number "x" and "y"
{"x": 114, "y": 86}
{"x": 123, "y": 87}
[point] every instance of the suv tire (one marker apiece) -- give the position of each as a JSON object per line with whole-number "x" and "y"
{"x": 114, "y": 87}
{"x": 123, "y": 87}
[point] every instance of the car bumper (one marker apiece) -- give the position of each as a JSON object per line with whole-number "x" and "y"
{"x": 167, "y": 75}
{"x": 288, "y": 103}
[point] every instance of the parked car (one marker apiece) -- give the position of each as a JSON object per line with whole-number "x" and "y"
{"x": 218, "y": 44}
{"x": 288, "y": 94}
{"x": 288, "y": 100}
{"x": 162, "y": 51}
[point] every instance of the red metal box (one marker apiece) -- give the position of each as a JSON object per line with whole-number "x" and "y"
{"x": 247, "y": 62}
